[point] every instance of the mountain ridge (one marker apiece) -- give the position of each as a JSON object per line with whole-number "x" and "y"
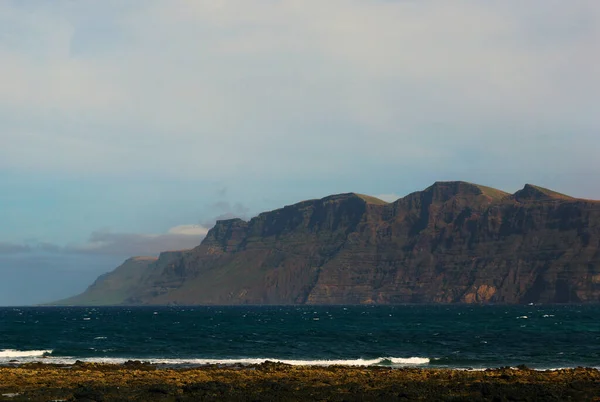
{"x": 454, "y": 242}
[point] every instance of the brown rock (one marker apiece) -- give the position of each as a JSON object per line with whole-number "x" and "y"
{"x": 452, "y": 242}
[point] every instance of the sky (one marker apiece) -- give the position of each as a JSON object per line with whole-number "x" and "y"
{"x": 129, "y": 127}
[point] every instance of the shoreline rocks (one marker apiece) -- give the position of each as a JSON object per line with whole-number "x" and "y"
{"x": 139, "y": 381}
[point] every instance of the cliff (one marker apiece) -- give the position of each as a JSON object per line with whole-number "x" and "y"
{"x": 452, "y": 242}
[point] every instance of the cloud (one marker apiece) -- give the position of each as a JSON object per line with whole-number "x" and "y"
{"x": 133, "y": 244}
{"x": 119, "y": 244}
{"x": 228, "y": 89}
{"x": 10, "y": 248}
{"x": 47, "y": 247}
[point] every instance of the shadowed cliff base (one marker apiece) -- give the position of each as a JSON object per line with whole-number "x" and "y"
{"x": 454, "y": 242}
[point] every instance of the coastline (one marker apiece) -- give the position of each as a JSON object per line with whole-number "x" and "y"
{"x": 140, "y": 381}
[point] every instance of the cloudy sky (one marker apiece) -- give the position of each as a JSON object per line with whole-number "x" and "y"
{"x": 128, "y": 127}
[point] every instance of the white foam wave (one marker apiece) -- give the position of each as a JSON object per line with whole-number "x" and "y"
{"x": 410, "y": 360}
{"x": 42, "y": 356}
{"x": 23, "y": 353}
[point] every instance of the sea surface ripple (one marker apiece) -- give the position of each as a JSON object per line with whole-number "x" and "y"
{"x": 455, "y": 336}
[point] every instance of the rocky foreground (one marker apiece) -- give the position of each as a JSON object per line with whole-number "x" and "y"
{"x": 135, "y": 381}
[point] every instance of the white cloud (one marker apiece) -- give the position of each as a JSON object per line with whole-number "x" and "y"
{"x": 181, "y": 237}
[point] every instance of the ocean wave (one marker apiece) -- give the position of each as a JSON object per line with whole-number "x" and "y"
{"x": 44, "y": 356}
{"x": 13, "y": 353}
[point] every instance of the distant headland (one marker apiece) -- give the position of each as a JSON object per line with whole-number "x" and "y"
{"x": 454, "y": 242}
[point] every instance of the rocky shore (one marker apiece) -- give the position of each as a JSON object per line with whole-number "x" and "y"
{"x": 137, "y": 381}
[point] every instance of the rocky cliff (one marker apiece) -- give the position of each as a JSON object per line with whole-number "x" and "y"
{"x": 454, "y": 242}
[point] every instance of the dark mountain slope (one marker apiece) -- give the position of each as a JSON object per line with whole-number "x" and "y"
{"x": 452, "y": 242}
{"x": 113, "y": 287}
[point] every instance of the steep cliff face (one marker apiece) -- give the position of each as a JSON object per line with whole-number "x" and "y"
{"x": 452, "y": 242}
{"x": 273, "y": 259}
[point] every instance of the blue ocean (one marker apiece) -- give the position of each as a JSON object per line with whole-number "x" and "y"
{"x": 455, "y": 336}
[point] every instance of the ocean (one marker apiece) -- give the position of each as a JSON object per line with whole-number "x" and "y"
{"x": 449, "y": 336}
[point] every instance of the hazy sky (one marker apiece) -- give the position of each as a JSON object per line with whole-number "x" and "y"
{"x": 128, "y": 127}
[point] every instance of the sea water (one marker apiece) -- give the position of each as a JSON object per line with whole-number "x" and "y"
{"x": 452, "y": 336}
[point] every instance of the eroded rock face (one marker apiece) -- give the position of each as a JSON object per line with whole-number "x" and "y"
{"x": 453, "y": 242}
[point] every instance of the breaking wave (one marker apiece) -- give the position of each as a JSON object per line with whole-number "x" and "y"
{"x": 383, "y": 361}
{"x": 13, "y": 353}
